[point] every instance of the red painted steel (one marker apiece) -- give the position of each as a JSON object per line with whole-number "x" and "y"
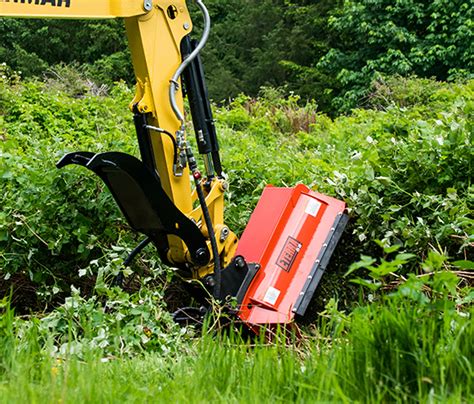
{"x": 285, "y": 236}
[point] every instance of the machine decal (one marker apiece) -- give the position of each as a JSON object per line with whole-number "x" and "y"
{"x": 313, "y": 207}
{"x": 55, "y": 3}
{"x": 271, "y": 296}
{"x": 288, "y": 253}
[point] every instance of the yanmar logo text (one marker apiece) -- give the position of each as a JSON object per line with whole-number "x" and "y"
{"x": 54, "y": 3}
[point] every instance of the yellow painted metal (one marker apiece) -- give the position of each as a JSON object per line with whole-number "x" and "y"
{"x": 154, "y": 41}
{"x": 154, "y": 37}
{"x": 226, "y": 245}
{"x": 72, "y": 8}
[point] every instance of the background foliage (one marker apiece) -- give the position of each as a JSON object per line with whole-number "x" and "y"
{"x": 325, "y": 50}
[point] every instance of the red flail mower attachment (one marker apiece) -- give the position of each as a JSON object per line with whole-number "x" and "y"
{"x": 289, "y": 239}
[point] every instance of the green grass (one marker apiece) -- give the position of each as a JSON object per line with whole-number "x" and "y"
{"x": 398, "y": 351}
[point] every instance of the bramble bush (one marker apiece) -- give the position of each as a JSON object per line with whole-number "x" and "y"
{"x": 404, "y": 168}
{"x": 53, "y": 222}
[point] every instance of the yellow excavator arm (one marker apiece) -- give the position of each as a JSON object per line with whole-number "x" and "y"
{"x": 155, "y": 31}
{"x": 74, "y": 8}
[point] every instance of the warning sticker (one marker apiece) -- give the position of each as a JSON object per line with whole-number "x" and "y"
{"x": 313, "y": 207}
{"x": 288, "y": 253}
{"x": 271, "y": 296}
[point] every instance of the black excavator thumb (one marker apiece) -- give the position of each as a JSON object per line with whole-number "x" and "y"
{"x": 142, "y": 200}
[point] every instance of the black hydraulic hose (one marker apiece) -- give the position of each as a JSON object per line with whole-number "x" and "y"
{"x": 136, "y": 250}
{"x": 118, "y": 281}
{"x": 207, "y": 219}
{"x": 165, "y": 132}
{"x": 212, "y": 238}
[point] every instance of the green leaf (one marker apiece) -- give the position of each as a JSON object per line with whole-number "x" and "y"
{"x": 387, "y": 249}
{"x": 405, "y": 257}
{"x": 372, "y": 285}
{"x": 464, "y": 264}
{"x": 434, "y": 261}
{"x": 365, "y": 262}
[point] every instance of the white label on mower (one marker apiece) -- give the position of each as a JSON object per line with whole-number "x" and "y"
{"x": 271, "y": 296}
{"x": 313, "y": 207}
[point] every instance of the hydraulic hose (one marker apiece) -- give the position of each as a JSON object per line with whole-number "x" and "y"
{"x": 207, "y": 219}
{"x": 174, "y": 84}
{"x": 173, "y": 140}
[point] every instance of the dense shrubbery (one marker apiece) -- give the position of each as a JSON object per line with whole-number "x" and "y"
{"x": 373, "y": 37}
{"x": 404, "y": 170}
{"x": 404, "y": 167}
{"x": 49, "y": 227}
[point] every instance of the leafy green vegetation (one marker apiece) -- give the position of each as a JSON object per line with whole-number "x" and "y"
{"x": 325, "y": 50}
{"x": 48, "y": 227}
{"x": 369, "y": 38}
{"x": 405, "y": 171}
{"x": 394, "y": 310}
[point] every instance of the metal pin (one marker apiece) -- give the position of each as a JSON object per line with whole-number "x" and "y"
{"x": 147, "y": 5}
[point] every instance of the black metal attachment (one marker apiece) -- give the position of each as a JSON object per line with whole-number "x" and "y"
{"x": 236, "y": 278}
{"x": 320, "y": 264}
{"x": 146, "y": 206}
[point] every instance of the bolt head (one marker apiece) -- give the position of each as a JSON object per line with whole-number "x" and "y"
{"x": 239, "y": 262}
{"x": 210, "y": 281}
{"x": 147, "y": 5}
{"x": 202, "y": 256}
{"x": 224, "y": 185}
